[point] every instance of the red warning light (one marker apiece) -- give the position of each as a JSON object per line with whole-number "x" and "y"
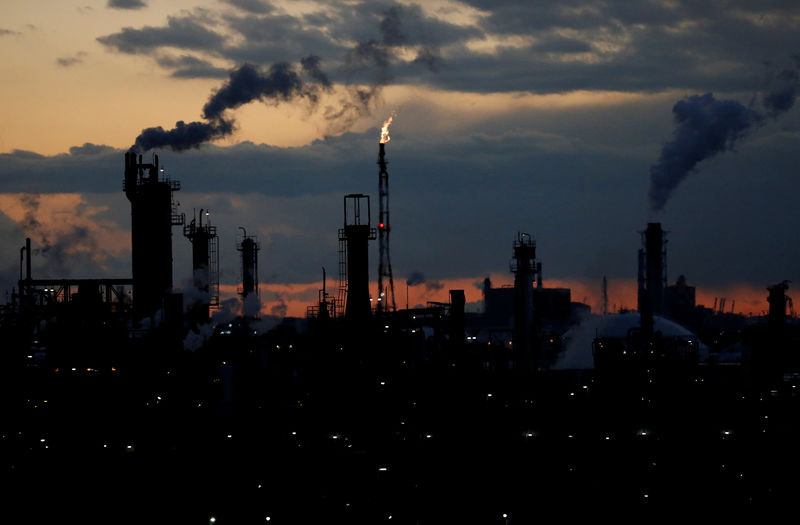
{"x": 380, "y": 226}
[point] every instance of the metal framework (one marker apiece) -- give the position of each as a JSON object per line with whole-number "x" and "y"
{"x": 385, "y": 299}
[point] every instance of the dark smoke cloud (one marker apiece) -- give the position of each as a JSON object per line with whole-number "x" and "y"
{"x": 434, "y": 285}
{"x": 54, "y": 251}
{"x": 783, "y": 93}
{"x": 415, "y": 278}
{"x": 281, "y": 83}
{"x": 369, "y": 60}
{"x": 373, "y": 59}
{"x": 279, "y": 309}
{"x": 247, "y": 84}
{"x": 183, "y": 136}
{"x": 705, "y": 127}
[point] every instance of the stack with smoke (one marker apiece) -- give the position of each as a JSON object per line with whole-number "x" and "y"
{"x": 706, "y": 127}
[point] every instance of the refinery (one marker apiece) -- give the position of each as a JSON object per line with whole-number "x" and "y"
{"x": 123, "y": 399}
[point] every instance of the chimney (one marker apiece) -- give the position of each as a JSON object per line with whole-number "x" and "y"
{"x": 357, "y": 232}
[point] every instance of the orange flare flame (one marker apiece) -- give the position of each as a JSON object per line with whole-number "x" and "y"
{"x": 385, "y": 129}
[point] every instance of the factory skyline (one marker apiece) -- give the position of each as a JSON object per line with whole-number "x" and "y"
{"x": 566, "y": 154}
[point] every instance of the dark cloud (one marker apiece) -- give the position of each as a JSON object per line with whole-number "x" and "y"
{"x": 186, "y": 32}
{"x": 252, "y": 6}
{"x": 189, "y": 66}
{"x": 457, "y": 201}
{"x": 126, "y": 4}
{"x": 71, "y": 61}
{"x": 90, "y": 149}
{"x": 782, "y": 89}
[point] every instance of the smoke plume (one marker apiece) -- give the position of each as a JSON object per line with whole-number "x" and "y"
{"x": 281, "y": 83}
{"x": 279, "y": 309}
{"x": 284, "y": 82}
{"x": 705, "y": 127}
{"x": 417, "y": 278}
{"x": 374, "y": 58}
{"x": 54, "y": 247}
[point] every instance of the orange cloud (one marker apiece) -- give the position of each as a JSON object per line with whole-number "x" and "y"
{"x": 55, "y": 218}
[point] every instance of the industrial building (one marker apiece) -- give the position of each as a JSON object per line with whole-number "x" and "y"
{"x": 128, "y": 389}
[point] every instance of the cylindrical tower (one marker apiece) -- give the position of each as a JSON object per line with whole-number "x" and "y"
{"x": 357, "y": 232}
{"x": 655, "y": 267}
{"x": 205, "y": 272}
{"x": 524, "y": 267}
{"x": 152, "y": 217}
{"x": 249, "y": 247}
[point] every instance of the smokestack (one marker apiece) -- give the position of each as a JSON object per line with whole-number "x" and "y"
{"x": 457, "y": 320}
{"x": 539, "y": 278}
{"x": 523, "y": 265}
{"x": 249, "y": 248}
{"x": 28, "y": 258}
{"x": 655, "y": 267}
{"x": 357, "y": 232}
{"x": 205, "y": 269}
{"x": 153, "y": 214}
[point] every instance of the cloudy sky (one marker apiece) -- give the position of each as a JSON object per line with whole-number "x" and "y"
{"x": 575, "y": 121}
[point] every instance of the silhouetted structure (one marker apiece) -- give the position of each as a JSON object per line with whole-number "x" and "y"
{"x": 652, "y": 275}
{"x": 385, "y": 299}
{"x": 679, "y": 300}
{"x": 523, "y": 265}
{"x": 205, "y": 266}
{"x": 355, "y": 235}
{"x": 777, "y": 300}
{"x": 153, "y": 214}
{"x": 248, "y": 246}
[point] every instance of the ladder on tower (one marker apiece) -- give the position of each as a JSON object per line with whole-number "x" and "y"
{"x": 341, "y": 297}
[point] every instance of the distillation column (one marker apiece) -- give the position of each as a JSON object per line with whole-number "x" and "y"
{"x": 152, "y": 216}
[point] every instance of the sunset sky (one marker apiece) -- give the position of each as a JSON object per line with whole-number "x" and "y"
{"x": 553, "y": 118}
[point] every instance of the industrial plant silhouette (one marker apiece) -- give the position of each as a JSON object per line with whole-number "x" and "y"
{"x": 121, "y": 400}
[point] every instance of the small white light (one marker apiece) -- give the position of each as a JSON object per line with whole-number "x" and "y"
{"x": 382, "y": 469}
